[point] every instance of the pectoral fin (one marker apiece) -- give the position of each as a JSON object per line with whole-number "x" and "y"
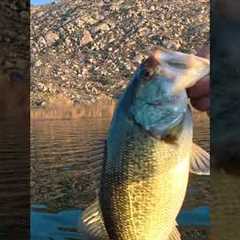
{"x": 200, "y": 161}
{"x": 175, "y": 235}
{"x": 93, "y": 222}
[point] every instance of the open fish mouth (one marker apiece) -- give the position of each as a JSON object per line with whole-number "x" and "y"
{"x": 160, "y": 101}
{"x": 184, "y": 69}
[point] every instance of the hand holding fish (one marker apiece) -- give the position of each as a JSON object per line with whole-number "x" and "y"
{"x": 199, "y": 93}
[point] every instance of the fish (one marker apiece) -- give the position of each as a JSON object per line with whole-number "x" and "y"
{"x": 149, "y": 153}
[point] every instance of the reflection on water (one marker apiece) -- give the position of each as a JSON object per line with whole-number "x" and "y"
{"x": 60, "y": 226}
{"x": 65, "y": 154}
{"x": 65, "y": 224}
{"x": 198, "y": 216}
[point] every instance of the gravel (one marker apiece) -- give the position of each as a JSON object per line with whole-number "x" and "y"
{"x": 87, "y": 50}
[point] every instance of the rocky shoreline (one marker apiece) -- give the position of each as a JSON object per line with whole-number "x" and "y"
{"x": 88, "y": 50}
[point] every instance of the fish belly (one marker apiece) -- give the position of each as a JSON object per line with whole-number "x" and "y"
{"x": 143, "y": 190}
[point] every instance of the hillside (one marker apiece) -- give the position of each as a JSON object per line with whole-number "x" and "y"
{"x": 87, "y": 50}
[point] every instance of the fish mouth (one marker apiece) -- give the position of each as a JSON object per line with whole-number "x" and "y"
{"x": 185, "y": 70}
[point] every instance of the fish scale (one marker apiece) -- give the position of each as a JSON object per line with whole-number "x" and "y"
{"x": 139, "y": 194}
{"x": 149, "y": 153}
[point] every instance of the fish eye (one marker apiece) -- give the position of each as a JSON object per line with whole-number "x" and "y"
{"x": 146, "y": 74}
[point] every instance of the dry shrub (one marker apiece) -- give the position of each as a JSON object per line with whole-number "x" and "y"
{"x": 60, "y": 107}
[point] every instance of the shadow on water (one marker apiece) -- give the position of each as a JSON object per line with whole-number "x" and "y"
{"x": 64, "y": 156}
{"x": 14, "y": 179}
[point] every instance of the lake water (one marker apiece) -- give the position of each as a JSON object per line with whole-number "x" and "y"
{"x": 64, "y": 154}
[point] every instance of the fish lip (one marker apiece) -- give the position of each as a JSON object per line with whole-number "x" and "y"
{"x": 198, "y": 68}
{"x": 195, "y": 69}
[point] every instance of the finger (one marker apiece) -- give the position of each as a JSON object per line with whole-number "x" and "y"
{"x": 201, "y": 104}
{"x": 204, "y": 51}
{"x": 200, "y": 89}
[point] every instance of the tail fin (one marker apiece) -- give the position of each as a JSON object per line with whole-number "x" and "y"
{"x": 175, "y": 235}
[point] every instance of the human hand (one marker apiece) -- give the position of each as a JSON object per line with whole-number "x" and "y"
{"x": 199, "y": 93}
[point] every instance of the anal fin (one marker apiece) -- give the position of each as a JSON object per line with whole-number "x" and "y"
{"x": 200, "y": 161}
{"x": 93, "y": 222}
{"x": 175, "y": 234}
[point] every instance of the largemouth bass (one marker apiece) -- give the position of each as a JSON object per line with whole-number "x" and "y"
{"x": 149, "y": 153}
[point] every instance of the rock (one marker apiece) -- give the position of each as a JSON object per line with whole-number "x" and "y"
{"x": 138, "y": 58}
{"x": 43, "y": 104}
{"x": 86, "y": 38}
{"x": 175, "y": 45}
{"x": 100, "y": 28}
{"x": 38, "y": 63}
{"x": 51, "y": 37}
{"x": 93, "y": 51}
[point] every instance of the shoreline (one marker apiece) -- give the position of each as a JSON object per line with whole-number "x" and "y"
{"x": 62, "y": 109}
